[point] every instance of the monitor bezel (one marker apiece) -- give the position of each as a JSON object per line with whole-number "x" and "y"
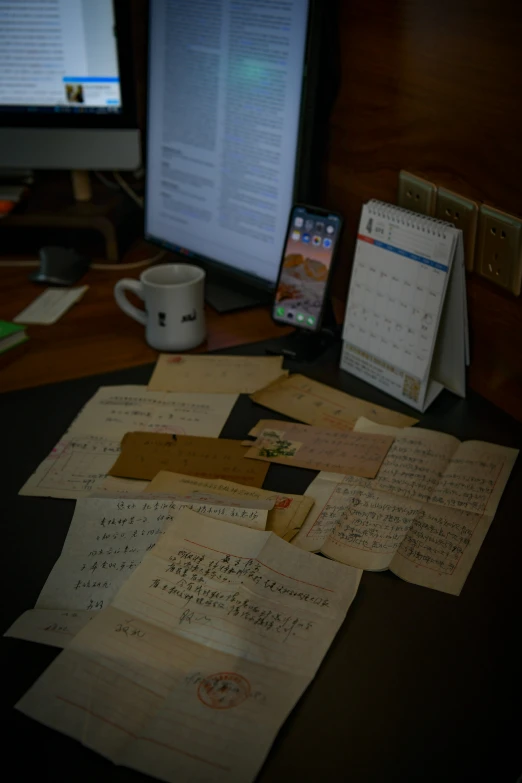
{"x": 304, "y": 178}
{"x": 127, "y": 118}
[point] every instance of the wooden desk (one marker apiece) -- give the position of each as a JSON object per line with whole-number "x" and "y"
{"x": 95, "y": 336}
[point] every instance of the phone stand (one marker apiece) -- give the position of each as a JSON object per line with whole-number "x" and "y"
{"x": 307, "y": 346}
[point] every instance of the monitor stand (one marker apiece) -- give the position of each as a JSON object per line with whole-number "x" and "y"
{"x": 226, "y": 298}
{"x": 55, "y": 214}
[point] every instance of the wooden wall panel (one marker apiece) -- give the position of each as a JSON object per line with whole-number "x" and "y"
{"x": 435, "y": 88}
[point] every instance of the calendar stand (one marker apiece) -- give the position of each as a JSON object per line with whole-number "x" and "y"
{"x": 406, "y": 325}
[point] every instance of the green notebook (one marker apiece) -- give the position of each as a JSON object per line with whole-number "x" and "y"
{"x": 11, "y": 335}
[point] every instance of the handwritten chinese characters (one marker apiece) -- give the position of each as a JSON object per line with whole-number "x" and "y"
{"x": 108, "y": 538}
{"x": 79, "y": 463}
{"x": 205, "y": 650}
{"x": 286, "y": 516}
{"x": 55, "y": 627}
{"x": 424, "y": 516}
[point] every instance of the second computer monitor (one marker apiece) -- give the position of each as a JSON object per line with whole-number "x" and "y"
{"x": 226, "y": 93}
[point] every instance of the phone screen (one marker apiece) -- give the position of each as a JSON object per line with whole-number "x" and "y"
{"x": 309, "y": 250}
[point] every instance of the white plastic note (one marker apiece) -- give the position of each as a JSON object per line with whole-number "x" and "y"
{"x": 50, "y": 306}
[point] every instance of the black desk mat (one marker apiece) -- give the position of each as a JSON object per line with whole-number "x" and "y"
{"x": 417, "y": 686}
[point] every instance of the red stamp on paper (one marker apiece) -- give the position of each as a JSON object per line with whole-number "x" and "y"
{"x": 224, "y": 690}
{"x": 174, "y": 359}
{"x": 283, "y": 502}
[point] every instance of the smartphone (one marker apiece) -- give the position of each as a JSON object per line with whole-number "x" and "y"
{"x": 310, "y": 246}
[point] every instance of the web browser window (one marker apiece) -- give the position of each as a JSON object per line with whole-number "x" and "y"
{"x": 58, "y": 55}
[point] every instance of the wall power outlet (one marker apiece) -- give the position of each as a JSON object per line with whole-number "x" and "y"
{"x": 463, "y": 213}
{"x": 416, "y": 194}
{"x": 499, "y": 256}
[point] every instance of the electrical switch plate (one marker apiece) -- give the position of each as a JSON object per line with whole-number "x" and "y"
{"x": 463, "y": 213}
{"x": 416, "y": 194}
{"x": 499, "y": 256}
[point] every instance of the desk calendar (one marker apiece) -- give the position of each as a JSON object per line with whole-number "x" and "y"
{"x": 405, "y": 328}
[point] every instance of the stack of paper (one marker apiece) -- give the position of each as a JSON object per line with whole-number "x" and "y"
{"x": 206, "y": 648}
{"x": 190, "y": 624}
{"x": 81, "y": 460}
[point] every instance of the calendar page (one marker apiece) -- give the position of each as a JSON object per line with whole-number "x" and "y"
{"x": 400, "y": 274}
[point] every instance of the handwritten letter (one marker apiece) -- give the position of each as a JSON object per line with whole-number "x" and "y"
{"x": 286, "y": 516}
{"x": 78, "y": 464}
{"x": 424, "y": 516}
{"x": 206, "y": 649}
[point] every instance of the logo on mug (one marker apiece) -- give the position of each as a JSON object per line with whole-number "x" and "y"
{"x": 189, "y": 317}
{"x": 161, "y": 319}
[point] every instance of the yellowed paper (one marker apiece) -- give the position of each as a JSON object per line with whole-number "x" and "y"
{"x": 54, "y": 627}
{"x": 215, "y": 374}
{"x": 189, "y": 675}
{"x": 144, "y": 454}
{"x": 285, "y": 519}
{"x": 315, "y": 403}
{"x": 303, "y": 446}
{"x": 369, "y": 528}
{"x": 424, "y": 516}
{"x": 440, "y": 548}
{"x": 248, "y": 513}
{"x": 80, "y": 461}
{"x": 119, "y": 487}
{"x": 107, "y": 539}
{"x": 195, "y": 496}
{"x": 76, "y": 466}
{"x": 116, "y": 410}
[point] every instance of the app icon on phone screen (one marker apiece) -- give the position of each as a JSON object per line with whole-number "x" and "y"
{"x": 319, "y": 227}
{"x": 298, "y": 222}
{"x": 316, "y": 241}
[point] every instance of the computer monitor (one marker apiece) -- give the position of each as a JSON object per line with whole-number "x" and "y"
{"x": 230, "y": 110}
{"x": 66, "y": 85}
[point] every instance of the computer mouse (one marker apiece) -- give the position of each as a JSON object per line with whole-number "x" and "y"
{"x": 60, "y": 266}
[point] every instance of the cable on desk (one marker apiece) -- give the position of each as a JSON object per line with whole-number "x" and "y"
{"x": 127, "y": 188}
{"x": 133, "y": 265}
{"x": 98, "y": 267}
{"x": 14, "y": 264}
{"x": 107, "y": 182}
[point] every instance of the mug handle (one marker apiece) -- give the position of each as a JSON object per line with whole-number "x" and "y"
{"x": 121, "y": 300}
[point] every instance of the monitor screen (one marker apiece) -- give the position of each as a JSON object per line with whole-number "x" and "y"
{"x": 225, "y": 94}
{"x": 58, "y": 56}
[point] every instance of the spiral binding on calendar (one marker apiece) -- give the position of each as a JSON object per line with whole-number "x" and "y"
{"x": 404, "y": 217}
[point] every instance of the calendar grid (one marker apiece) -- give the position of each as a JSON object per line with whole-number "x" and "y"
{"x": 397, "y": 289}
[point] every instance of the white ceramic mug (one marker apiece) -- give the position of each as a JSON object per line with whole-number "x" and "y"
{"x": 174, "y": 315}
